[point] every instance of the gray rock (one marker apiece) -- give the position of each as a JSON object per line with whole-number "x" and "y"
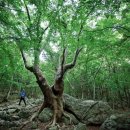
{"x": 5, "y": 116}
{"x": 10, "y": 111}
{"x": 53, "y": 128}
{"x": 80, "y": 126}
{"x": 24, "y": 113}
{"x": 117, "y": 122}
{"x": 14, "y": 128}
{"x": 45, "y": 115}
{"x": 15, "y": 118}
{"x": 34, "y": 125}
{"x": 88, "y": 112}
{"x": 8, "y": 124}
{"x": 109, "y": 125}
{"x": 14, "y": 106}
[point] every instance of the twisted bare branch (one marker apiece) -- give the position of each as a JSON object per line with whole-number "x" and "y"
{"x": 71, "y": 65}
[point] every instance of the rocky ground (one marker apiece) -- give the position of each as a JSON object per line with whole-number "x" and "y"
{"x": 92, "y": 115}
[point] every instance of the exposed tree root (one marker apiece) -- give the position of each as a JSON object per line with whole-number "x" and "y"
{"x": 67, "y": 116}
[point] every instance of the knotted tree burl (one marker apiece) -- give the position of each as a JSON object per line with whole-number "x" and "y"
{"x": 53, "y": 95}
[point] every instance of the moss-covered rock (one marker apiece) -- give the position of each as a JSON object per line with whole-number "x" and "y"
{"x": 88, "y": 111}
{"x": 45, "y": 115}
{"x": 117, "y": 122}
{"x": 80, "y": 126}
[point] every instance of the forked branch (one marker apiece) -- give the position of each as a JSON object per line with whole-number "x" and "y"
{"x": 71, "y": 65}
{"x": 64, "y": 67}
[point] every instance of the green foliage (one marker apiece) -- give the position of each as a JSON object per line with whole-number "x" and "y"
{"x": 35, "y": 26}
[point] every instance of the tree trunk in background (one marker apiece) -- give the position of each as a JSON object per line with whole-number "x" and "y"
{"x": 8, "y": 94}
{"x": 129, "y": 98}
{"x": 5, "y": 99}
{"x": 107, "y": 95}
{"x": 127, "y": 95}
{"x": 94, "y": 91}
{"x": 121, "y": 99}
{"x": 82, "y": 92}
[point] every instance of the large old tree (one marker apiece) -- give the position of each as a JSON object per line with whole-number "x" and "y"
{"x": 53, "y": 96}
{"x": 101, "y": 27}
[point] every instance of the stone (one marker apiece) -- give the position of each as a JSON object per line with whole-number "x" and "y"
{"x": 46, "y": 115}
{"x": 53, "y": 128}
{"x": 11, "y": 111}
{"x": 5, "y": 116}
{"x": 80, "y": 126}
{"x": 34, "y": 125}
{"x": 88, "y": 112}
{"x": 9, "y": 124}
{"x": 14, "y": 128}
{"x": 117, "y": 122}
{"x": 15, "y": 118}
{"x": 24, "y": 113}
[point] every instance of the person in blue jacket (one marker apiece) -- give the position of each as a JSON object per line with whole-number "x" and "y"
{"x": 22, "y": 96}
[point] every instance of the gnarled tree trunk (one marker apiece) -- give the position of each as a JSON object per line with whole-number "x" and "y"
{"x": 53, "y": 96}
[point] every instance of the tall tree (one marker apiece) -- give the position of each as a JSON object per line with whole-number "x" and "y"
{"x": 53, "y": 96}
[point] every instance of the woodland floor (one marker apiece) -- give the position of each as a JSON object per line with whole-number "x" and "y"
{"x": 41, "y": 125}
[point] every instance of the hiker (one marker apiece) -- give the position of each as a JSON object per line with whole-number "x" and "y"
{"x": 22, "y": 96}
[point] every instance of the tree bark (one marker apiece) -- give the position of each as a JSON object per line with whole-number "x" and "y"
{"x": 53, "y": 96}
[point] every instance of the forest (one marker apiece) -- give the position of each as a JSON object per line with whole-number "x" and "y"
{"x": 71, "y": 58}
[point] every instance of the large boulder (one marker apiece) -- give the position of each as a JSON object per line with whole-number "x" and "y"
{"x": 5, "y": 116}
{"x": 80, "y": 126}
{"x": 8, "y": 121}
{"x": 8, "y": 124}
{"x": 45, "y": 115}
{"x": 117, "y": 122}
{"x": 24, "y": 113}
{"x": 87, "y": 111}
{"x": 12, "y": 116}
